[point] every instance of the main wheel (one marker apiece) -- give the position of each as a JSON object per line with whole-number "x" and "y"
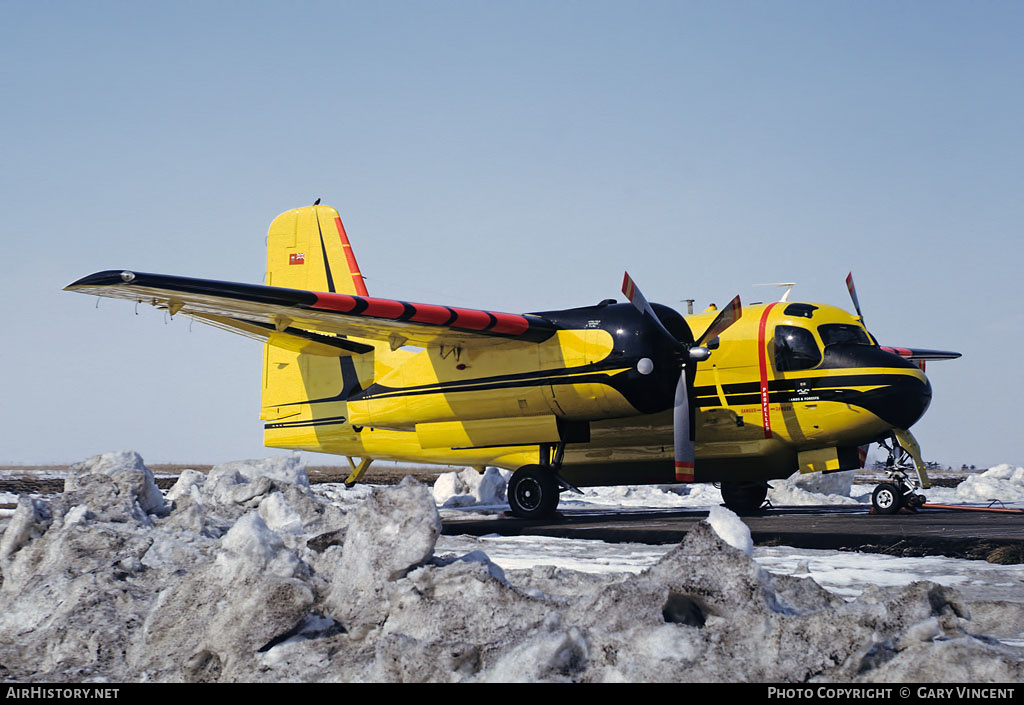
{"x": 744, "y": 497}
{"x": 533, "y": 492}
{"x": 886, "y": 499}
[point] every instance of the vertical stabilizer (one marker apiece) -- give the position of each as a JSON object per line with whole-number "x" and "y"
{"x": 308, "y": 248}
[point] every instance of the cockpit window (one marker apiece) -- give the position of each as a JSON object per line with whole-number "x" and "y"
{"x": 799, "y": 309}
{"x": 832, "y": 333}
{"x": 795, "y": 349}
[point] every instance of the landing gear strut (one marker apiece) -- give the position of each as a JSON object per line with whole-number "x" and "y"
{"x": 898, "y": 491}
{"x": 533, "y": 490}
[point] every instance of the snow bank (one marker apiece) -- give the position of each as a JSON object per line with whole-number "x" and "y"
{"x": 471, "y": 488}
{"x": 813, "y": 489}
{"x": 126, "y": 470}
{"x": 679, "y": 495}
{"x": 1002, "y": 482}
{"x": 247, "y": 575}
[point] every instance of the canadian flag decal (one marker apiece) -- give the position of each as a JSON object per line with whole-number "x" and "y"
{"x": 297, "y": 258}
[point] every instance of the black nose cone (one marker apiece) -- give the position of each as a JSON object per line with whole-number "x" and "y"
{"x": 905, "y": 400}
{"x": 898, "y": 393}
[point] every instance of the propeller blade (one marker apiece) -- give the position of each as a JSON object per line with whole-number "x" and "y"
{"x": 729, "y": 315}
{"x": 633, "y": 293}
{"x": 853, "y": 295}
{"x": 636, "y": 297}
{"x": 681, "y": 431}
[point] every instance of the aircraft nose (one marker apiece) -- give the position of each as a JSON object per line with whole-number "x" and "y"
{"x": 899, "y": 392}
{"x": 906, "y": 398}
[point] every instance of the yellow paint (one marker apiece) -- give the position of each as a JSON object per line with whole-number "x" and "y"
{"x": 818, "y": 460}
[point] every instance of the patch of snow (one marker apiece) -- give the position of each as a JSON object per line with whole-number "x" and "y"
{"x": 731, "y": 528}
{"x": 1002, "y": 482}
{"x": 814, "y": 489}
{"x": 471, "y": 488}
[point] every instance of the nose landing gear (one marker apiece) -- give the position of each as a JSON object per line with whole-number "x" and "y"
{"x": 899, "y": 490}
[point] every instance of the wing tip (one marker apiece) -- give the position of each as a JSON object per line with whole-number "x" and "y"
{"x": 107, "y": 277}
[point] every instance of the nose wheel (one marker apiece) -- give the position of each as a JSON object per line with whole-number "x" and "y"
{"x": 898, "y": 491}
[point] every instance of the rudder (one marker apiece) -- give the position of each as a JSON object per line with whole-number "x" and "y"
{"x": 308, "y": 248}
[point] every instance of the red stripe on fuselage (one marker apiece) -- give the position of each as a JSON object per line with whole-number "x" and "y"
{"x": 762, "y": 363}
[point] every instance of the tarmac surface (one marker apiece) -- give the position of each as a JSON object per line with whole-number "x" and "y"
{"x": 956, "y": 533}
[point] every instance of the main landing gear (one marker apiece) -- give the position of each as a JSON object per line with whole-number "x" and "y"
{"x": 533, "y": 490}
{"x": 744, "y": 497}
{"x": 898, "y": 490}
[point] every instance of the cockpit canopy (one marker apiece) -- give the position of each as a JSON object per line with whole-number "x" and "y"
{"x": 797, "y": 348}
{"x": 842, "y": 333}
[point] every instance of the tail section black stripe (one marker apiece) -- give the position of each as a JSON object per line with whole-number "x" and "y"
{"x": 323, "y": 249}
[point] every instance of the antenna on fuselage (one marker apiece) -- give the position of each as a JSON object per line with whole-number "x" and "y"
{"x": 789, "y": 287}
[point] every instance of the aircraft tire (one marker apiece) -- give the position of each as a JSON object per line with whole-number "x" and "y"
{"x": 886, "y": 499}
{"x": 744, "y": 497}
{"x": 533, "y": 492}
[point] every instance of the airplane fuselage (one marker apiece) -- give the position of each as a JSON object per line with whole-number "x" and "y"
{"x": 789, "y": 386}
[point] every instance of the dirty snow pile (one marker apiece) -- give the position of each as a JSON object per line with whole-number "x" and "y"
{"x": 1002, "y": 482}
{"x": 813, "y": 489}
{"x": 246, "y": 574}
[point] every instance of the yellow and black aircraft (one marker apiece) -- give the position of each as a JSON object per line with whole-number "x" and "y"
{"x": 614, "y": 393}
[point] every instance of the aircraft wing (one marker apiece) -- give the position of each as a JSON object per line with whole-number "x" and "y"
{"x": 921, "y": 354}
{"x": 310, "y": 321}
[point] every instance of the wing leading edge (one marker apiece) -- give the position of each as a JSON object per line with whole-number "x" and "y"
{"x": 308, "y": 321}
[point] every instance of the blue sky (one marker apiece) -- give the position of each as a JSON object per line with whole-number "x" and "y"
{"x": 512, "y": 156}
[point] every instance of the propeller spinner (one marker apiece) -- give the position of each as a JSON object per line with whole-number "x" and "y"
{"x": 682, "y": 428}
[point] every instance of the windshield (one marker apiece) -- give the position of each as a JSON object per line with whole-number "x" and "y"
{"x": 795, "y": 349}
{"x": 832, "y": 333}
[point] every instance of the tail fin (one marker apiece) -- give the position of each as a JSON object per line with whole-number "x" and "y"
{"x": 308, "y": 248}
